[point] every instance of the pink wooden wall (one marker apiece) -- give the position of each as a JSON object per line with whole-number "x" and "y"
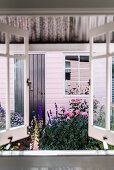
{"x": 55, "y": 83}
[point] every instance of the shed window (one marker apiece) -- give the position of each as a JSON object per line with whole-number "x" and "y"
{"x": 76, "y": 75}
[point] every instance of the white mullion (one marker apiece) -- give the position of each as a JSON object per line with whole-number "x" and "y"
{"x": 26, "y": 88}
{"x": 79, "y": 72}
{"x": 8, "y": 85}
{"x": 91, "y": 85}
{"x": 107, "y": 83}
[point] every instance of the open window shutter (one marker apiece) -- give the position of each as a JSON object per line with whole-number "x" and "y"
{"x": 101, "y": 117}
{"x": 14, "y": 106}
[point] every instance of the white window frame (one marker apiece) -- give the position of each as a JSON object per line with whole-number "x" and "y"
{"x": 95, "y": 131}
{"x": 21, "y": 131}
{"x": 75, "y": 54}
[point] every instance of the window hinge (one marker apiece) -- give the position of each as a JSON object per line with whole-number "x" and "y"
{"x": 28, "y": 130}
{"x": 89, "y": 82}
{"x": 8, "y": 146}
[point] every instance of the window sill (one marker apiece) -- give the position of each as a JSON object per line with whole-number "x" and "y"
{"x": 77, "y": 96}
{"x": 58, "y": 153}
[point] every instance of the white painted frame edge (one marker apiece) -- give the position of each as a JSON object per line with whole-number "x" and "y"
{"x": 56, "y": 11}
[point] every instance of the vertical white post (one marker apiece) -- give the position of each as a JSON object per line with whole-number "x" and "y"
{"x": 79, "y": 72}
{"x": 26, "y": 88}
{"x": 91, "y": 83}
{"x": 8, "y": 84}
{"x": 107, "y": 83}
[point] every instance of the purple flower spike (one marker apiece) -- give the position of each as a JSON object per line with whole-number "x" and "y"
{"x": 49, "y": 117}
{"x": 56, "y": 109}
{"x": 33, "y": 113}
{"x": 40, "y": 112}
{"x": 50, "y": 113}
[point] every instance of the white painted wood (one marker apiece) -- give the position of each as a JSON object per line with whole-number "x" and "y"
{"x": 42, "y": 153}
{"x": 66, "y": 48}
{"x": 95, "y": 131}
{"x": 8, "y": 87}
{"x": 57, "y": 11}
{"x": 21, "y": 131}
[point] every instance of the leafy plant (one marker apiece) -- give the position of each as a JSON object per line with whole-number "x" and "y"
{"x": 99, "y": 113}
{"x": 68, "y": 130}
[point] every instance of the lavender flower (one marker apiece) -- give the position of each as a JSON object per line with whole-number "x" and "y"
{"x": 50, "y": 113}
{"x": 49, "y": 117}
{"x": 56, "y": 109}
{"x": 40, "y": 111}
{"x": 33, "y": 113}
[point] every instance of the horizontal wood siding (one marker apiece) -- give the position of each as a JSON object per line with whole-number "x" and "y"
{"x": 55, "y": 82}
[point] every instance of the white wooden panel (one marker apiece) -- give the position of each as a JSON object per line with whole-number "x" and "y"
{"x": 94, "y": 131}
{"x": 19, "y": 132}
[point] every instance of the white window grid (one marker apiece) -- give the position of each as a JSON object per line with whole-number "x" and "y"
{"x": 79, "y": 79}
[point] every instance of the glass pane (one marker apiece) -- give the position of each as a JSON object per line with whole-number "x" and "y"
{"x": 3, "y": 92}
{"x": 71, "y": 75}
{"x": 72, "y": 61}
{"x": 112, "y": 93}
{"x": 101, "y": 48}
{"x": 84, "y": 74}
{"x": 71, "y": 88}
{"x": 84, "y": 61}
{"x": 2, "y": 43}
{"x": 16, "y": 40}
{"x": 16, "y": 92}
{"x": 99, "y": 92}
{"x": 84, "y": 88}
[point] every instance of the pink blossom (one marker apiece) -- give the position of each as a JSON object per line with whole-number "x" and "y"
{"x": 77, "y": 112}
{"x": 35, "y": 147}
{"x": 77, "y": 100}
{"x": 73, "y": 100}
{"x": 66, "y": 113}
{"x": 30, "y": 146}
{"x": 84, "y": 114}
{"x": 68, "y": 118}
{"x": 71, "y": 114}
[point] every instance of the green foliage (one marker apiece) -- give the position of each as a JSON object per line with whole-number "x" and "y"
{"x": 1, "y": 148}
{"x": 68, "y": 135}
{"x": 69, "y": 130}
{"x": 98, "y": 113}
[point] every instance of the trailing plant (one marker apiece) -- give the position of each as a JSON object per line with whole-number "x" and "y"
{"x": 16, "y": 118}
